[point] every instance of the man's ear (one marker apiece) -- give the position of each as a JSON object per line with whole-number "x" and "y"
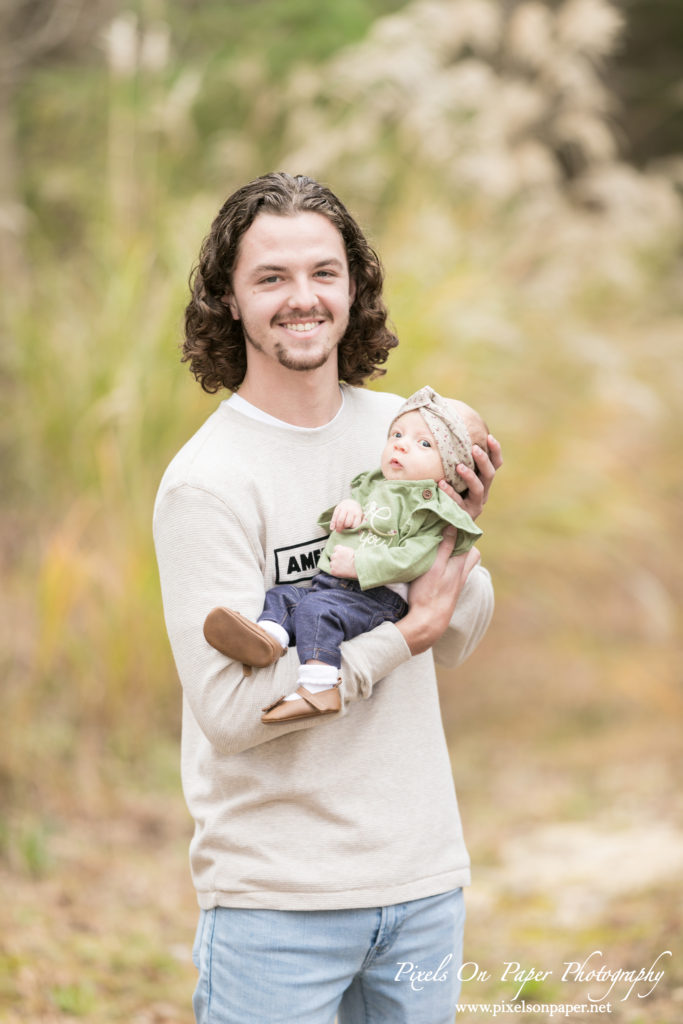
{"x": 228, "y": 299}
{"x": 352, "y": 290}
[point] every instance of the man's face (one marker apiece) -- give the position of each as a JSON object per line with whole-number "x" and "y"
{"x": 291, "y": 290}
{"x": 411, "y": 452}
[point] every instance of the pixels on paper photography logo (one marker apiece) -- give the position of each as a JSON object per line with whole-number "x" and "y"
{"x": 590, "y": 978}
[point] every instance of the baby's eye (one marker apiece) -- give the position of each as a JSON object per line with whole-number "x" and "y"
{"x": 396, "y": 433}
{"x": 426, "y": 444}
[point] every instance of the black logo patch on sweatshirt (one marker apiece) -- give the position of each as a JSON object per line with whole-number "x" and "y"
{"x": 298, "y": 561}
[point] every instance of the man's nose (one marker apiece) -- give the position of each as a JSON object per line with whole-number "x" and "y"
{"x": 302, "y": 295}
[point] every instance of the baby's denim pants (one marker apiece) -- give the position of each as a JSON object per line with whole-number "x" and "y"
{"x": 318, "y": 618}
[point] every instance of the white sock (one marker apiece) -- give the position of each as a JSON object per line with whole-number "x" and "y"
{"x": 275, "y": 630}
{"x": 315, "y": 678}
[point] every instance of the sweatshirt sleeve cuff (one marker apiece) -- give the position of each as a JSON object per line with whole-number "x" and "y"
{"x": 370, "y": 657}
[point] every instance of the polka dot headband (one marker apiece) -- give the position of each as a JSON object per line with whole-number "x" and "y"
{"x": 449, "y": 430}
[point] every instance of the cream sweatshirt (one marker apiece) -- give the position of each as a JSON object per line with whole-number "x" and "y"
{"x": 367, "y": 795}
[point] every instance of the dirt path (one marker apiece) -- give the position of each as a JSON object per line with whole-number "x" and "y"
{"x": 105, "y": 935}
{"x": 102, "y": 929}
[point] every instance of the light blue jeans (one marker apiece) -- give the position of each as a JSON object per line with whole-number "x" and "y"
{"x": 381, "y": 965}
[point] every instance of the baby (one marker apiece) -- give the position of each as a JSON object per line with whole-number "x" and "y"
{"x": 385, "y": 535}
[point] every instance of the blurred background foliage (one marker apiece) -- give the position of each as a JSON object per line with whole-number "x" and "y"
{"x": 518, "y": 165}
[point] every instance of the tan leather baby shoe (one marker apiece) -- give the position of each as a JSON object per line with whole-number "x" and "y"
{"x": 326, "y": 702}
{"x": 241, "y": 639}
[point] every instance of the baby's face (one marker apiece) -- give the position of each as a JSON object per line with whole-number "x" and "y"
{"x": 411, "y": 452}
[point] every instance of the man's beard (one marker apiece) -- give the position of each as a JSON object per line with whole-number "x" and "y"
{"x": 302, "y": 362}
{"x": 307, "y": 361}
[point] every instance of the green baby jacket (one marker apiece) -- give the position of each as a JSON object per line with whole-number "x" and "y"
{"x": 403, "y": 523}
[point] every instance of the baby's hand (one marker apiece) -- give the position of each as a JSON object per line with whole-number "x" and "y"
{"x": 343, "y": 563}
{"x": 347, "y": 515}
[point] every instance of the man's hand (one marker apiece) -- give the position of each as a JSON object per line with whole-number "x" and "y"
{"x": 433, "y": 596}
{"x": 343, "y": 563}
{"x": 347, "y": 515}
{"x": 478, "y": 486}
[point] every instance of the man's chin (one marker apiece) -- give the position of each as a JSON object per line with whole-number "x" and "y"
{"x": 305, "y": 362}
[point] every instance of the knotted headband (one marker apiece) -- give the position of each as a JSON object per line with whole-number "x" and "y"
{"x": 449, "y": 430}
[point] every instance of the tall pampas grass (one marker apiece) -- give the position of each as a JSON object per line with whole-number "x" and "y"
{"x": 536, "y": 272}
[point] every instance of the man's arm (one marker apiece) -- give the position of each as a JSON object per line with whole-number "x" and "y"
{"x": 206, "y": 558}
{"x": 434, "y": 595}
{"x": 450, "y": 606}
{"x": 473, "y": 609}
{"x": 469, "y": 621}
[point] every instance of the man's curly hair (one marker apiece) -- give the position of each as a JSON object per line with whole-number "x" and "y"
{"x": 214, "y": 343}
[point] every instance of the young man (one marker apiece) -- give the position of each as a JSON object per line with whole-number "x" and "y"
{"x": 287, "y": 307}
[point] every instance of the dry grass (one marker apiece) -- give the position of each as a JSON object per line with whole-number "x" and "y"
{"x": 575, "y": 829}
{"x": 101, "y": 930}
{"x": 547, "y": 293}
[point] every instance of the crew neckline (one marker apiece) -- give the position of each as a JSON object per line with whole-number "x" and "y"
{"x": 245, "y": 408}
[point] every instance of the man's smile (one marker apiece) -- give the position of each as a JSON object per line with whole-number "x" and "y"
{"x": 302, "y": 328}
